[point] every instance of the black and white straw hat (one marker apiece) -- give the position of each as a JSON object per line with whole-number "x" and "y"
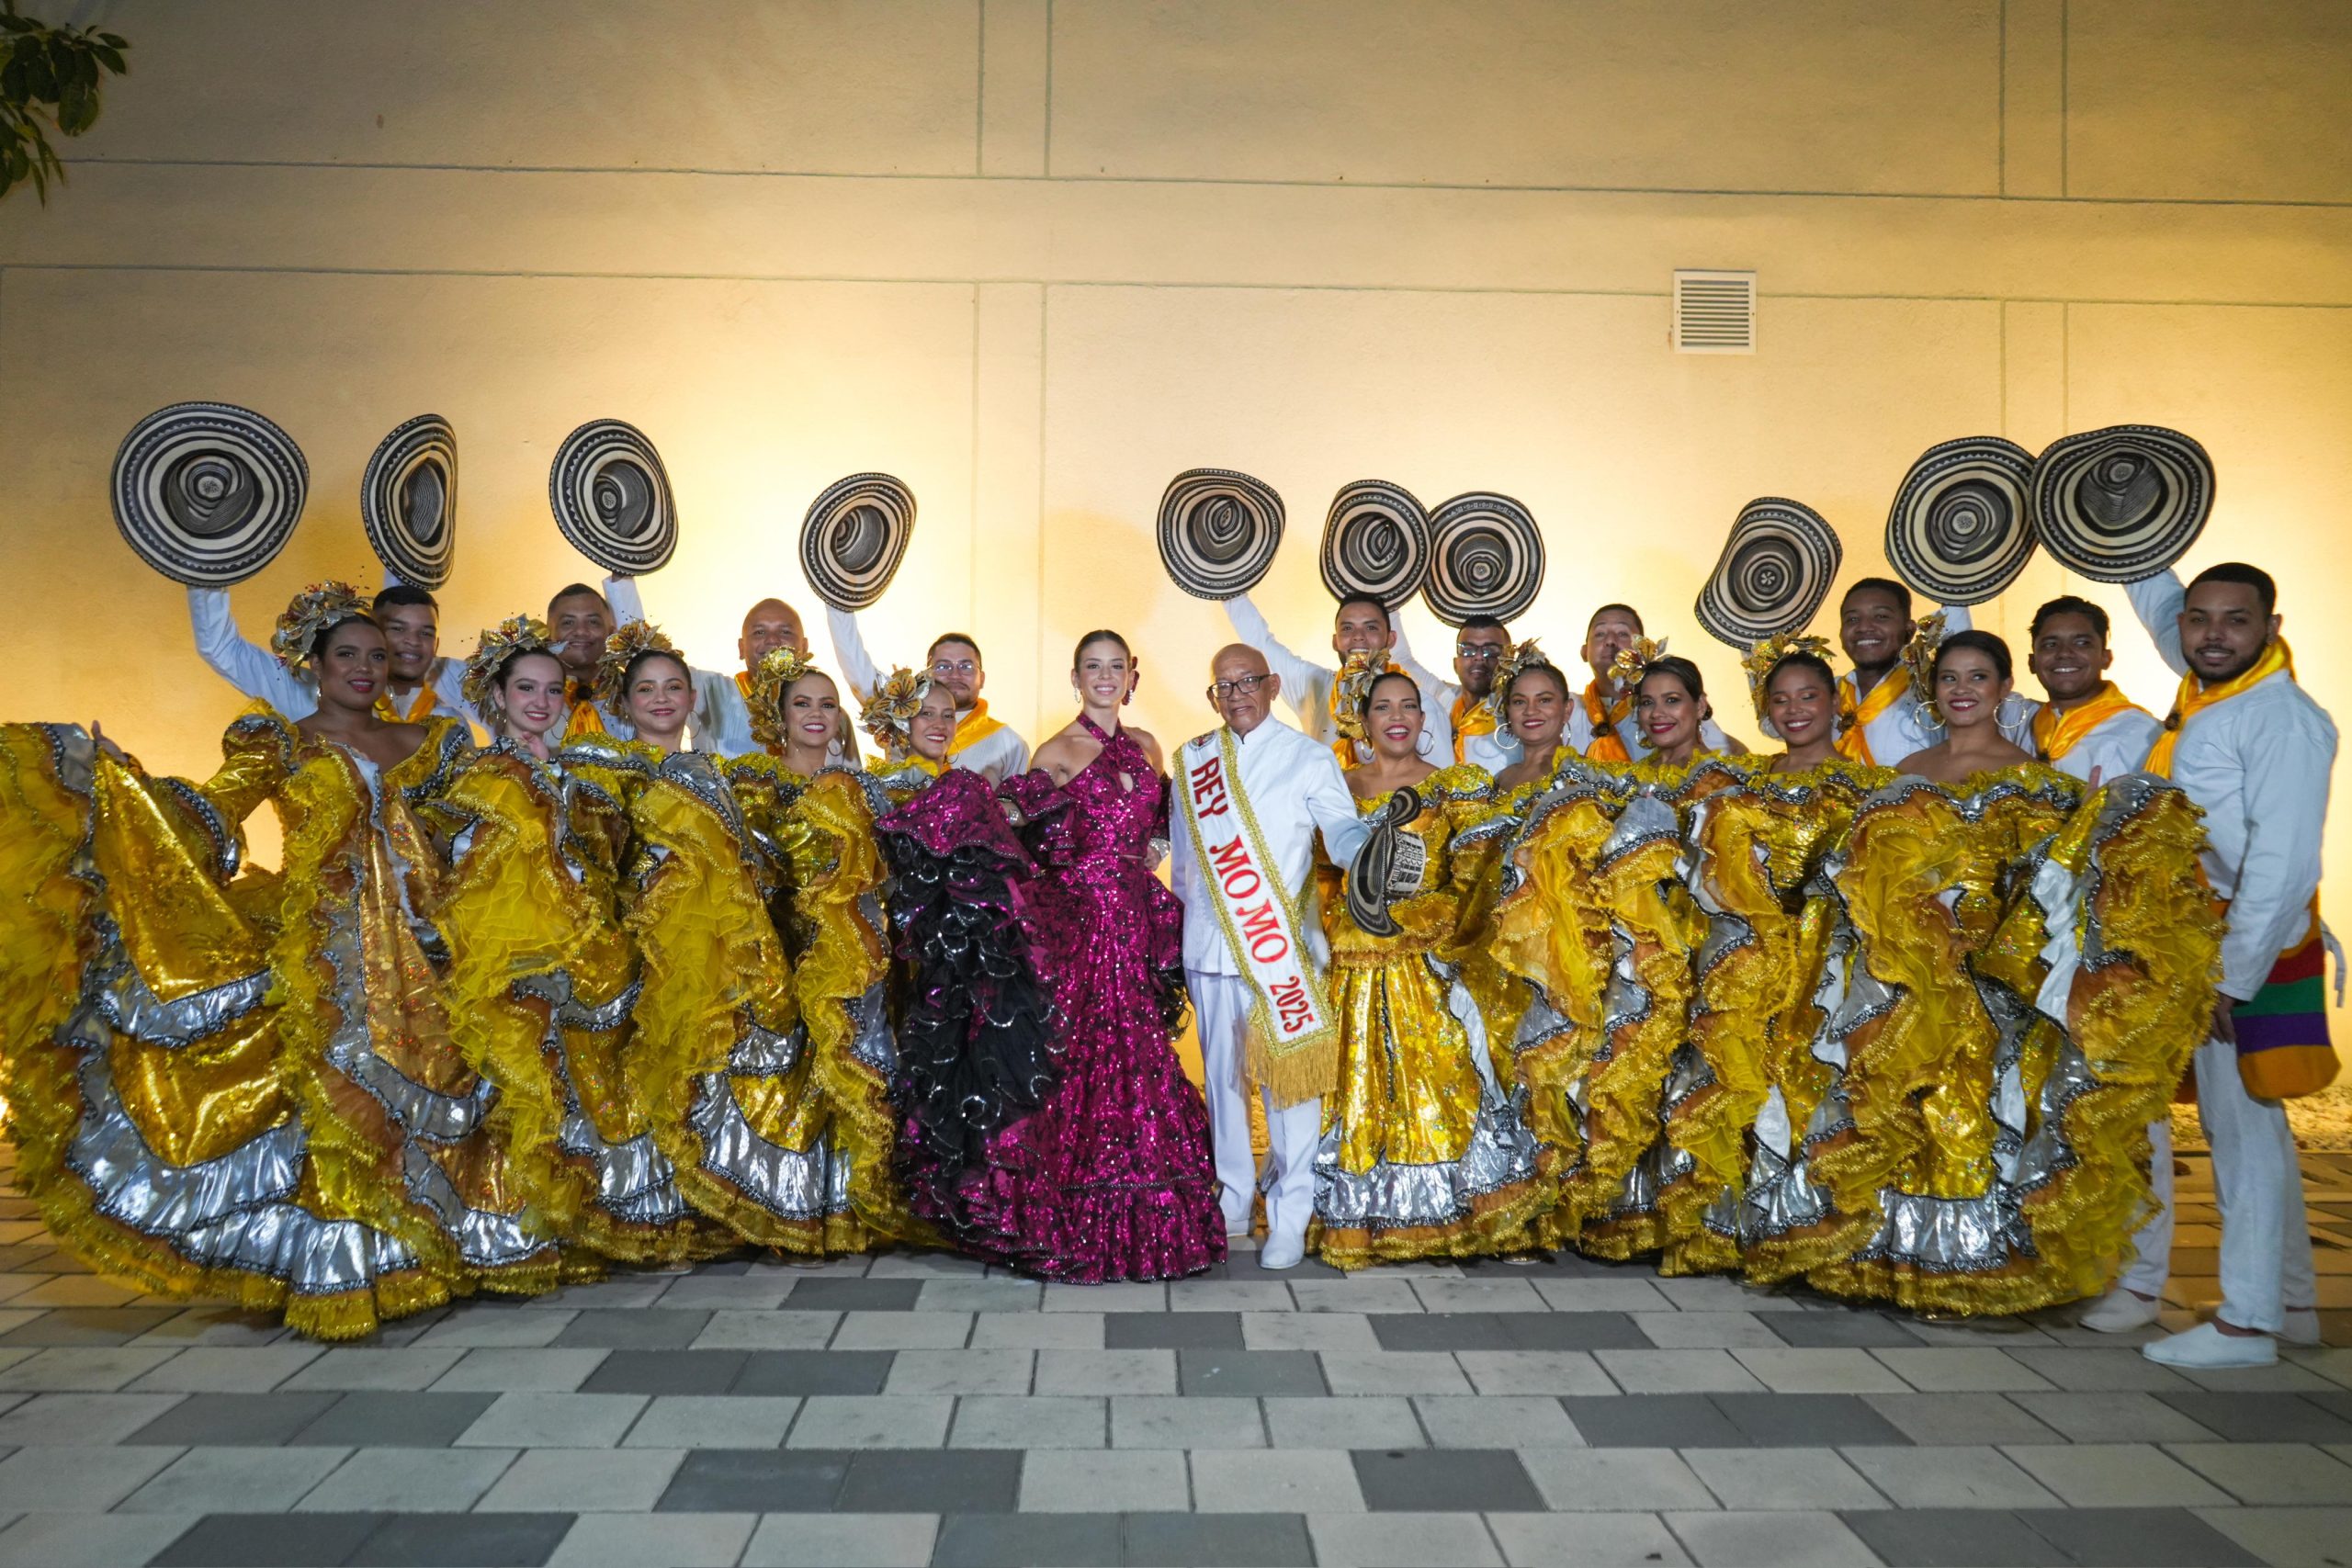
{"x": 1376, "y": 543}
{"x": 611, "y": 497}
{"x": 207, "y": 493}
{"x": 1775, "y": 571}
{"x": 1486, "y": 557}
{"x": 854, "y": 537}
{"x": 1962, "y": 526}
{"x": 2119, "y": 503}
{"x": 1218, "y": 532}
{"x": 408, "y": 499}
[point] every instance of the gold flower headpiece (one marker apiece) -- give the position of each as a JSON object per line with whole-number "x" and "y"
{"x": 513, "y": 636}
{"x": 1631, "y": 664}
{"x": 317, "y": 607}
{"x": 1521, "y": 657}
{"x": 636, "y": 637}
{"x": 1919, "y": 657}
{"x": 892, "y": 708}
{"x": 1761, "y": 660}
{"x": 779, "y": 668}
{"x": 1363, "y": 667}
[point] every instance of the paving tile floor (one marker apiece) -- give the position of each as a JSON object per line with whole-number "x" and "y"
{"x": 913, "y": 1409}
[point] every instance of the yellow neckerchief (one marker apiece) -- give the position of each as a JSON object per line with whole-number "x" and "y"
{"x": 2055, "y": 733}
{"x": 1472, "y": 715}
{"x": 972, "y": 728}
{"x": 586, "y": 720}
{"x": 743, "y": 683}
{"x": 2195, "y": 697}
{"x": 1608, "y": 746}
{"x": 419, "y": 707}
{"x": 1854, "y": 718}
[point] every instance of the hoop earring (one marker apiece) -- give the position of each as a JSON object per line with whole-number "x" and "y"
{"x": 2004, "y": 718}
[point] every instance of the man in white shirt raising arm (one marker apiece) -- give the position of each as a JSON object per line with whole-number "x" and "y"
{"x": 982, "y": 744}
{"x": 1360, "y": 625}
{"x": 2254, "y": 750}
{"x": 422, "y": 683}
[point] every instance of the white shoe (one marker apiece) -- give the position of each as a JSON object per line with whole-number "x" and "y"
{"x": 2120, "y": 1311}
{"x": 2207, "y": 1346}
{"x": 2300, "y": 1326}
{"x": 1283, "y": 1252}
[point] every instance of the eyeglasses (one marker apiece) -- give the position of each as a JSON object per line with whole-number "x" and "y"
{"x": 1244, "y": 687}
{"x": 1477, "y": 650}
{"x": 950, "y": 667}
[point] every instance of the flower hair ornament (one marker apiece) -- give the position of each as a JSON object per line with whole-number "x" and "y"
{"x": 1919, "y": 658}
{"x": 889, "y": 712}
{"x": 1364, "y": 666}
{"x": 1634, "y": 663}
{"x": 1761, "y": 660}
{"x": 612, "y": 670}
{"x": 514, "y": 634}
{"x": 317, "y": 607}
{"x": 779, "y": 668}
{"x": 1516, "y": 661}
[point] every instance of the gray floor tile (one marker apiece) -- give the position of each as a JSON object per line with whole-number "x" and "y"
{"x": 80, "y": 1420}
{"x": 2289, "y": 1537}
{"x": 88, "y": 1540}
{"x": 1490, "y": 1421}
{"x": 817, "y": 1294}
{"x": 1653, "y": 1421}
{"x": 1278, "y": 1480}
{"x": 840, "y": 1541}
{"x": 1375, "y": 1421}
{"x": 1959, "y": 1418}
{"x": 713, "y": 1421}
{"x": 1949, "y": 1477}
{"x": 873, "y": 1421}
{"x": 211, "y": 1481}
{"x": 431, "y": 1540}
{"x": 1837, "y": 1330}
{"x": 902, "y": 1331}
{"x": 1172, "y": 1331}
{"x": 756, "y": 1480}
{"x": 815, "y": 1371}
{"x": 953, "y": 1481}
{"x": 1445, "y": 1331}
{"x": 1217, "y": 1541}
{"x": 2261, "y": 1418}
{"x": 1952, "y": 1538}
{"x": 410, "y": 1481}
{"x": 1590, "y": 1540}
{"x": 1247, "y": 1372}
{"x": 554, "y": 1421}
{"x": 395, "y": 1420}
{"x": 2113, "y": 1418}
{"x": 1807, "y": 1420}
{"x": 1771, "y": 1479}
{"x": 88, "y": 1326}
{"x": 960, "y": 1371}
{"x": 652, "y": 1328}
{"x": 674, "y": 1541}
{"x": 1027, "y": 1541}
{"x": 1416, "y": 1481}
{"x": 666, "y": 1372}
{"x": 241, "y": 1419}
{"x": 510, "y": 1369}
{"x": 587, "y": 1480}
{"x": 1733, "y": 1540}
{"x": 2138, "y": 1538}
{"x": 1400, "y": 1371}
{"x": 1151, "y": 1421}
{"x": 361, "y": 1367}
{"x": 1035, "y": 1421}
{"x": 268, "y": 1541}
{"x": 1613, "y": 1480}
{"x": 1401, "y": 1540}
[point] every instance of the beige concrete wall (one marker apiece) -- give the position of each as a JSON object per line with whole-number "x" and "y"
{"x": 1036, "y": 255}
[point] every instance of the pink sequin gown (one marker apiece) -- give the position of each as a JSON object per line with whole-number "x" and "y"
{"x": 1109, "y": 1178}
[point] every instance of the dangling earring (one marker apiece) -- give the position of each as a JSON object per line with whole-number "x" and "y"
{"x": 1129, "y": 701}
{"x": 2004, "y": 717}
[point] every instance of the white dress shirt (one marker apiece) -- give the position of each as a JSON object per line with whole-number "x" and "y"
{"x": 2118, "y": 746}
{"x": 255, "y": 672}
{"x": 722, "y": 720}
{"x": 2258, "y": 763}
{"x": 1001, "y": 755}
{"x": 1306, "y": 687}
{"x": 1294, "y": 786}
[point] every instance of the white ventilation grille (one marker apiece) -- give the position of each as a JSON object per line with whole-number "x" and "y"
{"x": 1715, "y": 313}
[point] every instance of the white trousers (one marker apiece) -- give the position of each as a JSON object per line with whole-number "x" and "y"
{"x": 2257, "y": 1186}
{"x": 1221, "y": 1006}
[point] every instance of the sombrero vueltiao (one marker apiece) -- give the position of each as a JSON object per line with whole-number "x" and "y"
{"x": 408, "y": 499}
{"x": 1218, "y": 532}
{"x": 207, "y": 493}
{"x": 1962, "y": 526}
{"x": 2119, "y": 503}
{"x": 1486, "y": 557}
{"x": 854, "y": 537}
{"x": 611, "y": 497}
{"x": 1775, "y": 571}
{"x": 1376, "y": 543}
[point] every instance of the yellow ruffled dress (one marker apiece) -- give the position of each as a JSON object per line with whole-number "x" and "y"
{"x": 543, "y": 985}
{"x": 156, "y": 1132}
{"x": 1423, "y": 1154}
{"x": 1977, "y": 1159}
{"x": 716, "y": 1066}
{"x": 1757, "y": 852}
{"x": 819, "y": 835}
